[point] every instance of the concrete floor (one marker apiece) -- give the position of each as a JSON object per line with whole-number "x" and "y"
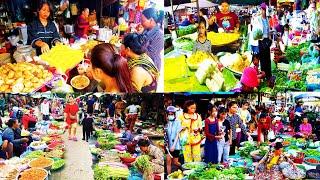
{"x": 78, "y": 160}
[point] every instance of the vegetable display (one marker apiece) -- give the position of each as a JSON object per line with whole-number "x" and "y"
{"x": 107, "y": 143}
{"x": 176, "y": 175}
{"x": 184, "y": 43}
{"x": 186, "y": 30}
{"x": 108, "y": 172}
{"x": 246, "y": 149}
{"x": 213, "y": 173}
{"x": 125, "y": 155}
{"x": 236, "y": 62}
{"x": 209, "y": 74}
{"x": 35, "y": 154}
{"x": 58, "y": 164}
{"x": 312, "y": 152}
{"x": 143, "y": 164}
{"x": 198, "y": 57}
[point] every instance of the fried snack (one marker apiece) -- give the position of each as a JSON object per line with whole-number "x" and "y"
{"x": 63, "y": 57}
{"x": 22, "y": 77}
{"x": 41, "y": 162}
{"x": 80, "y": 82}
{"x": 34, "y": 174}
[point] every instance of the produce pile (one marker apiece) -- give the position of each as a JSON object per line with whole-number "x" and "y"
{"x": 103, "y": 172}
{"x": 184, "y": 43}
{"x": 213, "y": 173}
{"x": 23, "y": 77}
{"x": 235, "y": 62}
{"x": 34, "y": 174}
{"x": 143, "y": 164}
{"x": 220, "y": 39}
{"x": 182, "y": 31}
{"x": 198, "y": 57}
{"x": 209, "y": 74}
{"x": 63, "y": 57}
{"x": 106, "y": 140}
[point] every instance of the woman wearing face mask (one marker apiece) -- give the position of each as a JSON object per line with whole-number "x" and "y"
{"x": 211, "y": 130}
{"x": 42, "y": 33}
{"x": 111, "y": 69}
{"x": 191, "y": 127}
{"x": 173, "y": 146}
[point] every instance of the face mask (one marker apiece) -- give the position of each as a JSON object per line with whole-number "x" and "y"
{"x": 171, "y": 117}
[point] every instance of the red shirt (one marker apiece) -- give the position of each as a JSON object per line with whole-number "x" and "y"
{"x": 82, "y": 26}
{"x": 71, "y": 110}
{"x": 227, "y": 21}
{"x": 262, "y": 128}
{"x": 26, "y": 119}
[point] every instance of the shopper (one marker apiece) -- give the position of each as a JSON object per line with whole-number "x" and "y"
{"x": 236, "y": 124}
{"x": 265, "y": 43}
{"x": 132, "y": 112}
{"x": 87, "y": 126}
{"x": 70, "y": 115}
{"x": 173, "y": 146}
{"x": 202, "y": 43}
{"x": 156, "y": 157}
{"x": 45, "y": 109}
{"x": 226, "y": 19}
{"x": 190, "y": 135}
{"x": 244, "y": 113}
{"x": 211, "y": 129}
{"x": 144, "y": 73}
{"x": 2, "y": 105}
{"x": 226, "y": 136}
{"x": 111, "y": 109}
{"x": 82, "y": 24}
{"x": 96, "y": 107}
{"x": 111, "y": 69}
{"x": 150, "y": 19}
{"x": 42, "y": 33}
{"x": 90, "y": 104}
{"x": 11, "y": 136}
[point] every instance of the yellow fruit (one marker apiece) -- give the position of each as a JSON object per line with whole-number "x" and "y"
{"x": 219, "y": 39}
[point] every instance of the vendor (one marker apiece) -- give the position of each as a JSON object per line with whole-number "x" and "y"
{"x": 270, "y": 164}
{"x": 150, "y": 19}
{"x": 256, "y": 64}
{"x": 202, "y": 43}
{"x": 277, "y": 125}
{"x": 42, "y": 33}
{"x": 82, "y": 24}
{"x": 173, "y": 146}
{"x": 155, "y": 153}
{"x": 29, "y": 120}
{"x": 6, "y": 148}
{"x": 111, "y": 69}
{"x": 144, "y": 73}
{"x": 248, "y": 82}
{"x": 10, "y": 134}
{"x": 226, "y": 19}
{"x": 191, "y": 124}
{"x": 305, "y": 128}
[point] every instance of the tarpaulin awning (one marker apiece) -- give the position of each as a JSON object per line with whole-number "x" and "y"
{"x": 242, "y": 2}
{"x": 202, "y": 4}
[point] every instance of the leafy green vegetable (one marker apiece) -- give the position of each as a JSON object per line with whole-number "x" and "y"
{"x": 257, "y": 34}
{"x": 213, "y": 173}
{"x": 58, "y": 164}
{"x": 34, "y": 154}
{"x": 245, "y": 152}
{"x": 107, "y": 143}
{"x": 292, "y": 53}
{"x": 143, "y": 164}
{"x": 125, "y": 155}
{"x": 312, "y": 152}
{"x": 186, "y": 30}
{"x": 230, "y": 81}
{"x": 110, "y": 173}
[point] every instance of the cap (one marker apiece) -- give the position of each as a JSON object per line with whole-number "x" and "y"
{"x": 171, "y": 109}
{"x": 250, "y": 77}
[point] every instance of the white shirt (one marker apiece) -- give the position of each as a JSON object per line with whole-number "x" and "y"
{"x": 45, "y": 108}
{"x": 96, "y": 106}
{"x": 133, "y": 109}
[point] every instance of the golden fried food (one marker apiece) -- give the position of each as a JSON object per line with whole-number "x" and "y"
{"x": 41, "y": 162}
{"x": 34, "y": 174}
{"x": 80, "y": 82}
{"x": 22, "y": 77}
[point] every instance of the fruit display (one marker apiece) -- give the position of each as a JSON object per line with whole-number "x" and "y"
{"x": 220, "y": 39}
{"x": 236, "y": 62}
{"x": 198, "y": 57}
{"x": 176, "y": 175}
{"x": 23, "y": 77}
{"x": 63, "y": 57}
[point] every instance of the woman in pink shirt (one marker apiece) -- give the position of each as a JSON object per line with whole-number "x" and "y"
{"x": 305, "y": 127}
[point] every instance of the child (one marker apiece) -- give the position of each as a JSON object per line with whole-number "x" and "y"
{"x": 277, "y": 125}
{"x": 119, "y": 121}
{"x": 87, "y": 126}
{"x": 256, "y": 63}
{"x": 202, "y": 43}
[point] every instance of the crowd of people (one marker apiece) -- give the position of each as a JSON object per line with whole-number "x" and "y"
{"x": 226, "y": 125}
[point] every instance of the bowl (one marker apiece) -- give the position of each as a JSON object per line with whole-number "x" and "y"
{"x": 80, "y": 82}
{"x": 47, "y": 167}
{"x": 33, "y": 169}
{"x": 127, "y": 160}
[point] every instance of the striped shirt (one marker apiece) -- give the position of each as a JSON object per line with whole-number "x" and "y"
{"x": 234, "y": 121}
{"x": 199, "y": 46}
{"x": 47, "y": 34}
{"x": 155, "y": 39}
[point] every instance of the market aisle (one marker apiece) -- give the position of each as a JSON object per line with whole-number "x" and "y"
{"x": 78, "y": 160}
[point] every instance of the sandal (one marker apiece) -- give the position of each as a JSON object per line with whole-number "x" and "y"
{"x": 75, "y": 139}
